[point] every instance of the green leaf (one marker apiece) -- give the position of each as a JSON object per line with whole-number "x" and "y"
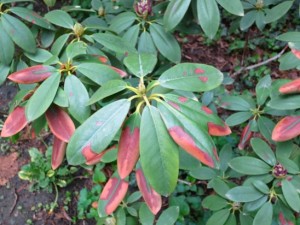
{"x": 145, "y": 215}
{"x": 40, "y": 56}
{"x": 191, "y": 77}
{"x": 76, "y": 48}
{"x": 131, "y": 35}
{"x": 231, "y": 220}
{"x": 264, "y": 215}
{"x": 60, "y": 18}
{"x": 292, "y": 36}
{"x": 140, "y": 64}
{"x": 235, "y": 103}
{"x": 59, "y": 44}
{"x": 12, "y": 1}
{"x": 99, "y": 73}
{"x": 186, "y": 161}
{"x": 263, "y": 89}
{"x": 122, "y": 21}
{"x": 214, "y": 202}
{"x": 263, "y": 150}
{"x": 78, "y": 98}
{"x": 219, "y": 186}
{"x": 243, "y": 194}
{"x": 19, "y": 33}
{"x": 219, "y": 217}
{"x": 165, "y": 43}
{"x": 7, "y": 47}
{"x": 134, "y": 197}
{"x": 31, "y": 17}
{"x": 238, "y": 118}
{"x": 265, "y": 126}
{"x": 203, "y": 173}
{"x": 285, "y": 102}
{"x": 97, "y": 131}
{"x": 288, "y": 61}
{"x": 146, "y": 44}
{"x": 175, "y": 12}
{"x": 208, "y": 16}
{"x": 180, "y": 201}
{"x": 234, "y": 6}
{"x": 255, "y": 205}
{"x": 109, "y": 88}
{"x": 169, "y": 216}
{"x": 4, "y": 71}
{"x": 249, "y": 165}
{"x": 114, "y": 43}
{"x": 42, "y": 97}
{"x": 278, "y": 11}
{"x": 158, "y": 152}
{"x": 261, "y": 186}
{"x": 248, "y": 19}
{"x": 61, "y": 99}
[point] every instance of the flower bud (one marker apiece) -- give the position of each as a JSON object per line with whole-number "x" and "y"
{"x": 143, "y": 8}
{"x": 279, "y": 171}
{"x": 78, "y": 29}
{"x": 101, "y": 11}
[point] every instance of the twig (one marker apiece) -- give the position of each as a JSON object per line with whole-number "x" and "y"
{"x": 259, "y": 64}
{"x": 185, "y": 182}
{"x": 15, "y": 202}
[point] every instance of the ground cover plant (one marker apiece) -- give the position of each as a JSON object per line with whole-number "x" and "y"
{"x": 162, "y": 138}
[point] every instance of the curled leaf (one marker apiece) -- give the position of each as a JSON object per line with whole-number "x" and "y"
{"x": 58, "y": 152}
{"x": 93, "y": 158}
{"x": 151, "y": 197}
{"x": 15, "y": 122}
{"x": 33, "y": 74}
{"x": 60, "y": 123}
{"x": 290, "y": 87}
{"x": 287, "y": 128}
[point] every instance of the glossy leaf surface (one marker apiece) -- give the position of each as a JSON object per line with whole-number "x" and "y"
{"x": 264, "y": 215}
{"x": 140, "y": 64}
{"x": 97, "y": 131}
{"x": 191, "y": 77}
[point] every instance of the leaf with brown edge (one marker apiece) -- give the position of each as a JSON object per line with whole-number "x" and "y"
{"x": 290, "y": 87}
{"x": 296, "y": 52}
{"x": 200, "y": 114}
{"x": 93, "y": 158}
{"x": 113, "y": 193}
{"x": 60, "y": 123}
{"x": 58, "y": 152}
{"x": 33, "y": 74}
{"x": 129, "y": 145}
{"x": 189, "y": 136}
{"x": 286, "y": 129}
{"x": 151, "y": 197}
{"x": 245, "y": 137}
{"x": 119, "y": 71}
{"x": 15, "y": 122}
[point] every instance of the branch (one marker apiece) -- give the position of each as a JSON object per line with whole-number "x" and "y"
{"x": 259, "y": 64}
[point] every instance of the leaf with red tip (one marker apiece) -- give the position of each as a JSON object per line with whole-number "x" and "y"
{"x": 129, "y": 145}
{"x": 286, "y": 129}
{"x": 120, "y": 72}
{"x": 58, "y": 152}
{"x": 245, "y": 137}
{"x": 296, "y": 52}
{"x": 189, "y": 136}
{"x": 15, "y": 122}
{"x": 60, "y": 123}
{"x": 113, "y": 193}
{"x": 32, "y": 74}
{"x": 151, "y": 197}
{"x": 93, "y": 158}
{"x": 199, "y": 113}
{"x": 290, "y": 87}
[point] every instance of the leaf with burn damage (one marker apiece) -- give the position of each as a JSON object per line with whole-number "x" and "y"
{"x": 58, "y": 152}
{"x": 93, "y": 158}
{"x": 290, "y": 87}
{"x": 287, "y": 128}
{"x": 245, "y": 137}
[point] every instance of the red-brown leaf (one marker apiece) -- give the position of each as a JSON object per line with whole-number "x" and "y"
{"x": 15, "y": 122}
{"x": 245, "y": 137}
{"x": 93, "y": 158}
{"x": 58, "y": 152}
{"x": 60, "y": 123}
{"x": 113, "y": 193}
{"x": 218, "y": 130}
{"x": 151, "y": 197}
{"x": 290, "y": 87}
{"x": 296, "y": 52}
{"x": 120, "y": 72}
{"x": 287, "y": 128}
{"x": 32, "y": 74}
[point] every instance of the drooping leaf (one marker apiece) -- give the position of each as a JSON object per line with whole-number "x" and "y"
{"x": 111, "y": 196}
{"x": 219, "y": 217}
{"x": 169, "y": 216}
{"x": 15, "y": 122}
{"x": 174, "y": 13}
{"x": 19, "y": 33}
{"x": 291, "y": 195}
{"x": 129, "y": 149}
{"x": 165, "y": 43}
{"x": 208, "y": 16}
{"x": 243, "y": 194}
{"x": 58, "y": 153}
{"x": 60, "y": 124}
{"x": 97, "y": 131}
{"x": 235, "y": 7}
{"x": 287, "y": 128}
{"x": 42, "y": 97}
{"x": 151, "y": 197}
{"x": 99, "y": 73}
{"x": 263, "y": 150}
{"x": 7, "y": 47}
{"x": 33, "y": 74}
{"x": 249, "y": 165}
{"x": 264, "y": 215}
{"x": 140, "y": 64}
{"x": 93, "y": 158}
{"x": 290, "y": 87}
{"x": 189, "y": 136}
{"x": 122, "y": 21}
{"x": 158, "y": 152}
{"x": 60, "y": 18}
{"x": 78, "y": 98}
{"x": 191, "y": 77}
{"x": 246, "y": 135}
